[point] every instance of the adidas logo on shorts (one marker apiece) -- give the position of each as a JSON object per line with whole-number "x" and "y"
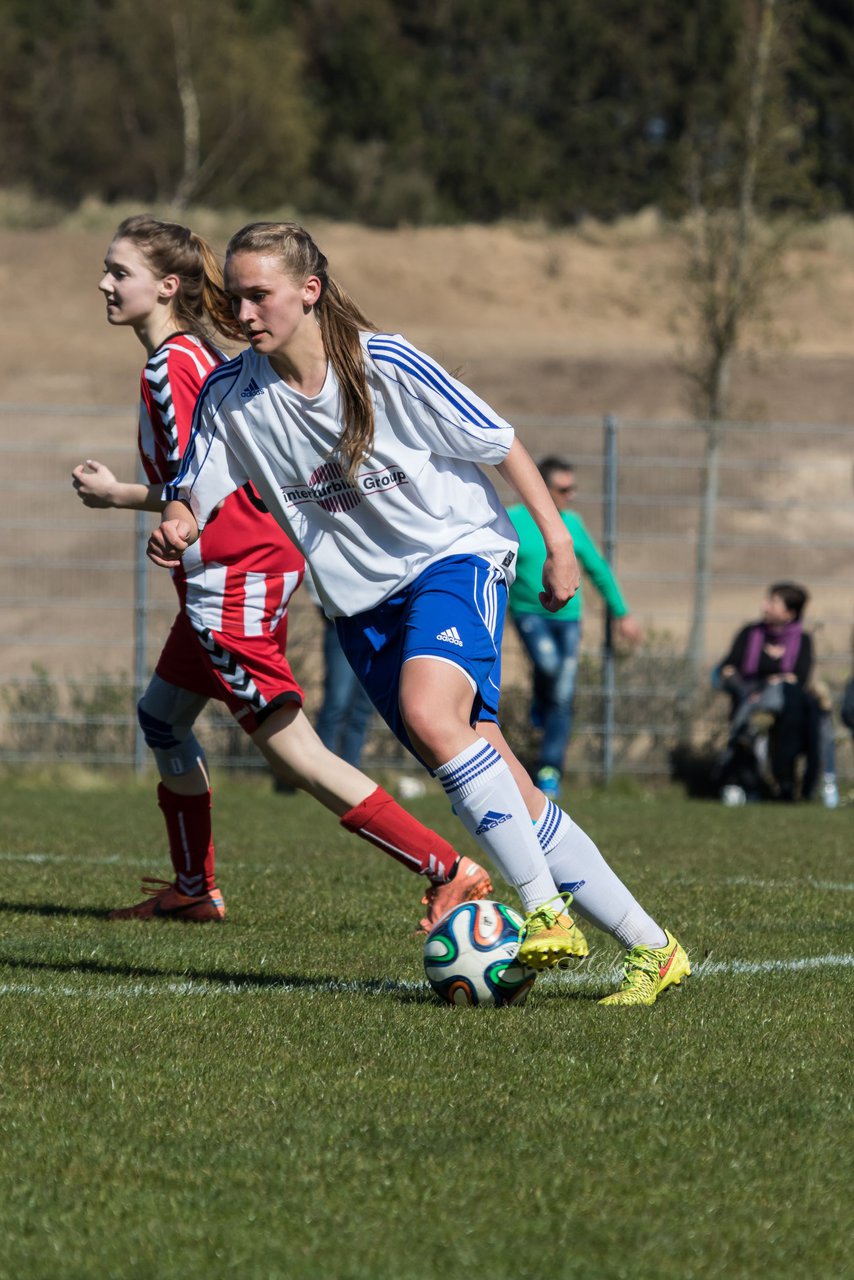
{"x": 451, "y": 635}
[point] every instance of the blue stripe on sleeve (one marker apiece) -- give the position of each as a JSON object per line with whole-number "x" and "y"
{"x": 425, "y": 370}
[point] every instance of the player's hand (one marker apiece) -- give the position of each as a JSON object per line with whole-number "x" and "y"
{"x": 95, "y": 483}
{"x": 561, "y": 579}
{"x": 168, "y": 543}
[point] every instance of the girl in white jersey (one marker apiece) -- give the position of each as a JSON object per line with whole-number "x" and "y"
{"x": 229, "y": 639}
{"x": 367, "y": 452}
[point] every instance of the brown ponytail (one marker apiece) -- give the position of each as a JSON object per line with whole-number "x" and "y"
{"x": 341, "y": 324}
{"x": 200, "y": 305}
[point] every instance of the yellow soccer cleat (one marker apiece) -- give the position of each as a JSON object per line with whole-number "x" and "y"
{"x": 647, "y": 971}
{"x": 550, "y": 937}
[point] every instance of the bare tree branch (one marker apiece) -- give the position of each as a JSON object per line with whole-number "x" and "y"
{"x": 730, "y": 268}
{"x": 190, "y": 114}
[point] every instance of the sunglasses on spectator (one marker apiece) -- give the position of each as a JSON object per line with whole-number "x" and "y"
{"x": 565, "y": 488}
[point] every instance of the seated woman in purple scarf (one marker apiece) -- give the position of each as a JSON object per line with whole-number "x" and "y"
{"x": 767, "y": 670}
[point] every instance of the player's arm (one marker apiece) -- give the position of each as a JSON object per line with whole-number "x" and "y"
{"x": 178, "y": 530}
{"x": 560, "y": 571}
{"x": 97, "y": 486}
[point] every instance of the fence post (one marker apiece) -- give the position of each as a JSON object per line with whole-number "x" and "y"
{"x": 609, "y": 539}
{"x": 140, "y": 624}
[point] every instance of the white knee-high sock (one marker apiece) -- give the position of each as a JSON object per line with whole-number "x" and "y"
{"x": 489, "y": 804}
{"x": 578, "y": 867}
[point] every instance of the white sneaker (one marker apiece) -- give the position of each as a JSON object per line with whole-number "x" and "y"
{"x": 829, "y": 792}
{"x": 410, "y": 787}
{"x": 733, "y": 795}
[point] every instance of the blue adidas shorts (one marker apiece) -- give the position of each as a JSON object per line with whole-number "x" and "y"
{"x": 453, "y": 610}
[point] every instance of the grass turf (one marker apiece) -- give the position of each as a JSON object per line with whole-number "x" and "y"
{"x": 282, "y": 1097}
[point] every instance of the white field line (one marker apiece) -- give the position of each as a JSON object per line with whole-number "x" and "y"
{"x": 580, "y": 980}
{"x": 751, "y": 882}
{"x": 591, "y": 976}
{"x": 123, "y": 860}
{"x": 44, "y": 859}
{"x": 101, "y": 860}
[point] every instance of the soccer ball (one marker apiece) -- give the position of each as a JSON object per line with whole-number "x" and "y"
{"x": 470, "y": 956}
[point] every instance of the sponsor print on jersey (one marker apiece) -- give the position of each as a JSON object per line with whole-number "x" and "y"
{"x": 331, "y": 490}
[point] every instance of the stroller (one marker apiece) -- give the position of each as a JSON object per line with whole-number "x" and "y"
{"x": 773, "y": 726}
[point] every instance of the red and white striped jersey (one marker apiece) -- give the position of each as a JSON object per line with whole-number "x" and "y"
{"x": 237, "y": 579}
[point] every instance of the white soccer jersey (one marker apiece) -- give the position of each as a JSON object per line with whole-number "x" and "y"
{"x": 419, "y": 497}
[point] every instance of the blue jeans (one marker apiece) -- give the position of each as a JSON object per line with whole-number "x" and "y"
{"x": 344, "y": 716}
{"x": 552, "y": 645}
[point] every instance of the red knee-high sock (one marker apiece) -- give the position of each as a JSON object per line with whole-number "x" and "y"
{"x": 191, "y": 848}
{"x": 380, "y": 820}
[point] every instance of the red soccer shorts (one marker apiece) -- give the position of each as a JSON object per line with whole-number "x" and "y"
{"x": 250, "y": 674}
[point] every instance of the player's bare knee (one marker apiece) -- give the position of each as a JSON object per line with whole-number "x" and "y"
{"x": 432, "y": 734}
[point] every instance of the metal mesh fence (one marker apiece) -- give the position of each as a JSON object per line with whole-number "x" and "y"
{"x": 85, "y": 616}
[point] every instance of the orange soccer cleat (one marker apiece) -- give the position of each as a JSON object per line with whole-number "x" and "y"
{"x": 164, "y": 902}
{"x": 468, "y": 883}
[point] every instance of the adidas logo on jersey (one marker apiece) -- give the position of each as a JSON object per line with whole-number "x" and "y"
{"x": 252, "y": 389}
{"x": 491, "y": 819}
{"x": 451, "y": 635}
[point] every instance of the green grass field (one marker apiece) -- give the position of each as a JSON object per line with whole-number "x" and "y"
{"x": 282, "y": 1096}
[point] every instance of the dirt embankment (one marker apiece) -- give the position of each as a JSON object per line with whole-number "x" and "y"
{"x": 539, "y": 323}
{"x": 573, "y": 322}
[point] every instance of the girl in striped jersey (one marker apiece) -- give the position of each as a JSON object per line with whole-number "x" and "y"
{"x": 228, "y": 640}
{"x": 370, "y": 455}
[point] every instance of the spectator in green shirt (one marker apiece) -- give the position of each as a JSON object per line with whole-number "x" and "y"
{"x": 552, "y": 640}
